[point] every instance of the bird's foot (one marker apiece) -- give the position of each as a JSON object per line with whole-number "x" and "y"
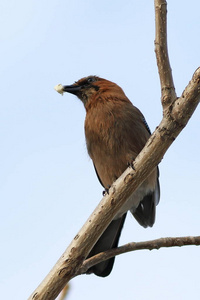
{"x": 106, "y": 191}
{"x": 131, "y": 165}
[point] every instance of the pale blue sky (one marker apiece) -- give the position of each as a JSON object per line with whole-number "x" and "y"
{"x": 48, "y": 186}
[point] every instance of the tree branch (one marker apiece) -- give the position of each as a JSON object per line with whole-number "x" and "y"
{"x": 164, "y": 69}
{"x": 147, "y": 245}
{"x": 176, "y": 115}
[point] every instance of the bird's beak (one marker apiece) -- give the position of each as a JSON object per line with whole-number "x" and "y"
{"x": 73, "y": 89}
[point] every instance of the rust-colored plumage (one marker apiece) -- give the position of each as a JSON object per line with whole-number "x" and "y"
{"x": 116, "y": 132}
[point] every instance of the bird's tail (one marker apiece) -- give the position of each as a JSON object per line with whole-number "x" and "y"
{"x": 146, "y": 211}
{"x": 108, "y": 240}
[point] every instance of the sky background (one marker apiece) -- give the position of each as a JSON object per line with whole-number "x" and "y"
{"x": 48, "y": 186}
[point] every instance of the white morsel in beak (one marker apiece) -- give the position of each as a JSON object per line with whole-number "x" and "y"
{"x": 59, "y": 89}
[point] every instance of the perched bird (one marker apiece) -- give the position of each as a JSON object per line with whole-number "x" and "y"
{"x": 115, "y": 131}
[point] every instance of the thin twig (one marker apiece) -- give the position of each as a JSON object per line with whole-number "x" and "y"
{"x": 161, "y": 50}
{"x": 147, "y": 245}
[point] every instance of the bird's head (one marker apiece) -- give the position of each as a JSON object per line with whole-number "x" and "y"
{"x": 89, "y": 89}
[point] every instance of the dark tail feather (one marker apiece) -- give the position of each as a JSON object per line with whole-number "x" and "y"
{"x": 108, "y": 240}
{"x": 146, "y": 210}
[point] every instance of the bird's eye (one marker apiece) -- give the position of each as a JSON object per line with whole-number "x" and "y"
{"x": 91, "y": 79}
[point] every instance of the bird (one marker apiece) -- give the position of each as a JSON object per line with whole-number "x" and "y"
{"x": 115, "y": 131}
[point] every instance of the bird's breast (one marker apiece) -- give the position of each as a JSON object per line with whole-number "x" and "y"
{"x": 115, "y": 134}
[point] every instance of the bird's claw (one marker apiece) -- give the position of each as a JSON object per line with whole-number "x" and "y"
{"x": 106, "y": 191}
{"x": 131, "y": 165}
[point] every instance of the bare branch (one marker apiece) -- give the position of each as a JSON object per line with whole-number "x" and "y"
{"x": 147, "y": 245}
{"x": 189, "y": 99}
{"x": 164, "y": 69}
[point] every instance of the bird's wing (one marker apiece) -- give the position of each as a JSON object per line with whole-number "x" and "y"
{"x": 146, "y": 125}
